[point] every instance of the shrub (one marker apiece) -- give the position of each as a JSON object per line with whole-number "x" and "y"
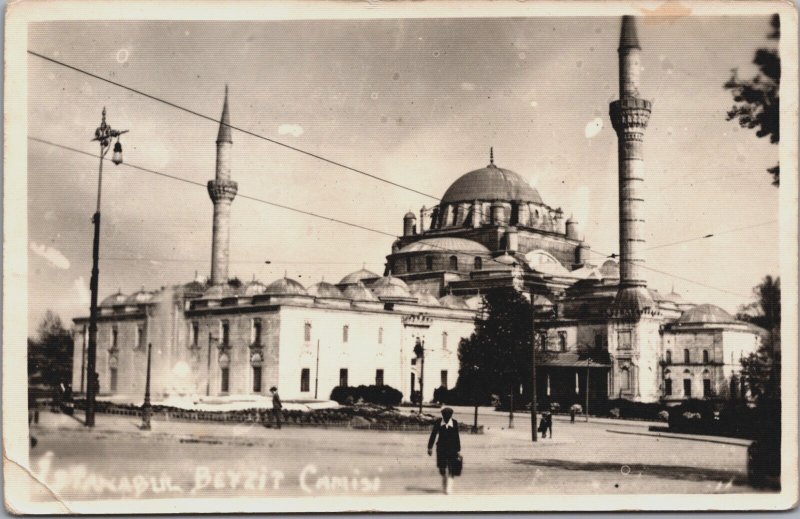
{"x": 555, "y": 407}
{"x": 663, "y": 415}
{"x": 381, "y": 395}
{"x": 576, "y": 408}
{"x": 614, "y": 412}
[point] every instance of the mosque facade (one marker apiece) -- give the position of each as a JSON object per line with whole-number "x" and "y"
{"x": 601, "y": 330}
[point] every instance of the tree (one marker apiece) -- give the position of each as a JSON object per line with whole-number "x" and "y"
{"x": 761, "y": 370}
{"x": 498, "y": 354}
{"x": 50, "y": 354}
{"x": 757, "y": 100}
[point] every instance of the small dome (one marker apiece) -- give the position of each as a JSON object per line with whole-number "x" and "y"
{"x": 286, "y": 287}
{"x": 358, "y": 292}
{"x": 445, "y": 246}
{"x": 254, "y": 288}
{"x": 116, "y": 299}
{"x": 425, "y": 298}
{"x": 474, "y": 302}
{"x": 674, "y": 297}
{"x": 359, "y": 275}
{"x": 140, "y": 297}
{"x": 323, "y": 289}
{"x": 219, "y": 291}
{"x": 410, "y": 216}
{"x": 540, "y": 300}
{"x": 455, "y": 302}
{"x": 610, "y": 269}
{"x": 506, "y": 259}
{"x": 706, "y": 314}
{"x": 390, "y": 287}
{"x": 489, "y": 184}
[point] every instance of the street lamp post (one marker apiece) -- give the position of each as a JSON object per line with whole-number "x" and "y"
{"x": 588, "y": 363}
{"x": 104, "y": 134}
{"x": 147, "y": 409}
{"x": 534, "y": 434}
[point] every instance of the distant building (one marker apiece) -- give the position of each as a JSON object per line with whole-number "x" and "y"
{"x": 491, "y": 229}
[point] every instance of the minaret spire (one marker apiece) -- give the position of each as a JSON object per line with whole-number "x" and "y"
{"x": 491, "y": 156}
{"x": 222, "y": 191}
{"x": 629, "y": 116}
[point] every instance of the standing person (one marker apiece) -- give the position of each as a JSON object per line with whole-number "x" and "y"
{"x": 572, "y": 414}
{"x": 548, "y": 423}
{"x": 448, "y": 448}
{"x": 276, "y": 406}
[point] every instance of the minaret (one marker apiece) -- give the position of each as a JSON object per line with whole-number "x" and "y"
{"x": 629, "y": 116}
{"x": 222, "y": 191}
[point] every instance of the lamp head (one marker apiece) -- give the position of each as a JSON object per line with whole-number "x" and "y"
{"x": 116, "y": 157}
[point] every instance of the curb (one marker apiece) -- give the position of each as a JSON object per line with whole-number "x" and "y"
{"x": 729, "y": 441}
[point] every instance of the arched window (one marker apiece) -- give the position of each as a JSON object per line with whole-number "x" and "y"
{"x": 408, "y": 263}
{"x": 669, "y": 357}
{"x": 705, "y": 356}
{"x": 444, "y": 340}
{"x": 428, "y": 262}
{"x": 345, "y": 333}
{"x": 478, "y": 264}
{"x": 626, "y": 379}
{"x": 686, "y": 357}
{"x": 307, "y": 332}
{"x": 453, "y": 263}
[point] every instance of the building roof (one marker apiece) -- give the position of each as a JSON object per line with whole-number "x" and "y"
{"x": 445, "y": 245}
{"x": 610, "y": 269}
{"x": 358, "y": 275}
{"x": 425, "y": 298}
{"x": 571, "y": 359}
{"x": 140, "y": 297}
{"x": 115, "y": 299}
{"x": 286, "y": 287}
{"x": 358, "y": 292}
{"x": 706, "y": 314}
{"x": 219, "y": 291}
{"x": 323, "y": 289}
{"x": 254, "y": 288}
{"x": 455, "y": 302}
{"x": 489, "y": 184}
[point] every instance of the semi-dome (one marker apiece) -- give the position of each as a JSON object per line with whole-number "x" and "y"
{"x": 390, "y": 287}
{"x": 445, "y": 245}
{"x": 326, "y": 290}
{"x": 115, "y": 299}
{"x": 489, "y": 184}
{"x": 454, "y": 302}
{"x": 706, "y": 314}
{"x": 358, "y": 292}
{"x": 140, "y": 297}
{"x": 286, "y": 287}
{"x": 359, "y": 275}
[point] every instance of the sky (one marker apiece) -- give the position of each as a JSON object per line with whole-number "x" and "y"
{"x": 417, "y": 102}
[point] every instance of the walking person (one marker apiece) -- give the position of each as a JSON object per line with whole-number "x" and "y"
{"x": 276, "y": 406}
{"x": 448, "y": 448}
{"x": 572, "y": 414}
{"x": 546, "y": 424}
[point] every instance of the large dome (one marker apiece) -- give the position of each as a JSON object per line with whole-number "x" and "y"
{"x": 489, "y": 184}
{"x": 285, "y": 287}
{"x": 446, "y": 244}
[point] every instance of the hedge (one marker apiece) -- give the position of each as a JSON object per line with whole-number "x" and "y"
{"x": 381, "y": 395}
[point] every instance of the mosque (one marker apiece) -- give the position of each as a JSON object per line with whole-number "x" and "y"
{"x": 604, "y": 330}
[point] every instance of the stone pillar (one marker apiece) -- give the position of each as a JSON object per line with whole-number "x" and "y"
{"x": 222, "y": 190}
{"x": 477, "y": 214}
{"x": 409, "y": 224}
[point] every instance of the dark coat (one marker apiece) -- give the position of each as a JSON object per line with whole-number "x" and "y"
{"x": 276, "y": 402}
{"x": 448, "y": 445}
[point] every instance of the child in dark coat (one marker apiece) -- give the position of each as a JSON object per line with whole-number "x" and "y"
{"x": 448, "y": 447}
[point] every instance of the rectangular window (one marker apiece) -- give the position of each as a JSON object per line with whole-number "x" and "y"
{"x": 307, "y": 332}
{"x": 345, "y": 333}
{"x": 444, "y": 340}
{"x": 706, "y": 388}
{"x": 444, "y": 378}
{"x": 256, "y": 332}
{"x": 114, "y": 337}
{"x": 256, "y": 379}
{"x": 413, "y": 383}
{"x": 113, "y": 380}
{"x": 562, "y": 341}
{"x": 140, "y": 336}
{"x": 687, "y": 387}
{"x": 305, "y": 380}
{"x": 598, "y": 341}
{"x": 195, "y": 333}
{"x": 624, "y": 340}
{"x": 378, "y": 377}
{"x": 226, "y": 333}
{"x": 626, "y": 379}
{"x": 380, "y": 335}
{"x": 668, "y": 387}
{"x": 224, "y": 384}
{"x": 343, "y": 377}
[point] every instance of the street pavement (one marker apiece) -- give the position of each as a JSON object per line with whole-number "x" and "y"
{"x": 184, "y": 459}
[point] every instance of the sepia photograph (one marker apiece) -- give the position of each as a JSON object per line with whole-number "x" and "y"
{"x": 429, "y": 256}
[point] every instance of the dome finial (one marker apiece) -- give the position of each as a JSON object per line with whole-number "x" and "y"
{"x": 285, "y": 274}
{"x": 491, "y": 156}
